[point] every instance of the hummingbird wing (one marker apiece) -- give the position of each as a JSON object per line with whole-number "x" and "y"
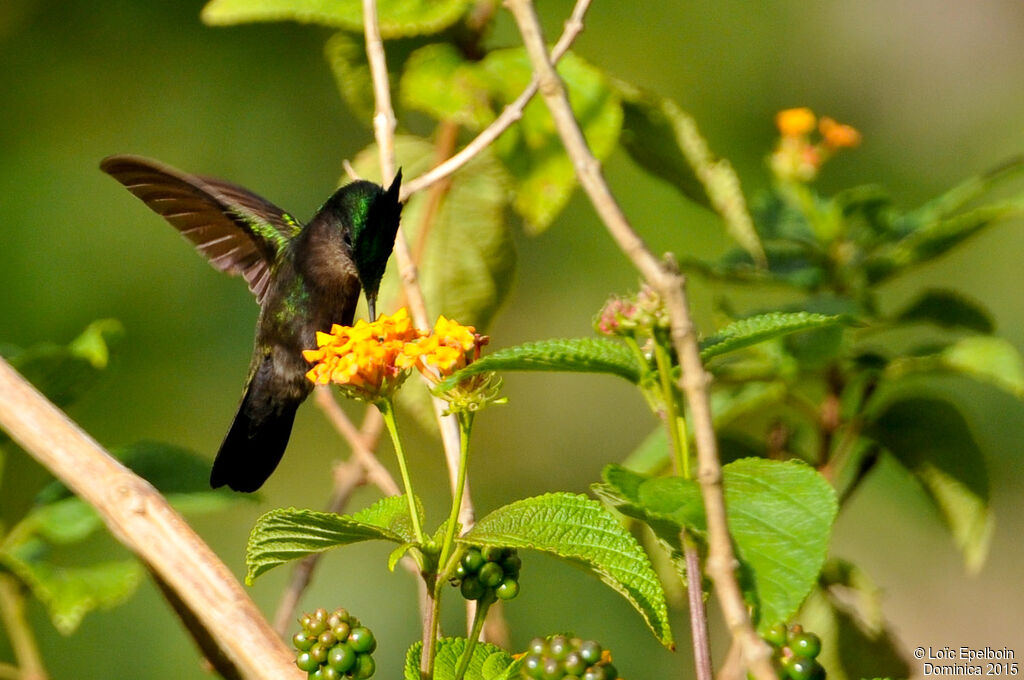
{"x": 237, "y": 231}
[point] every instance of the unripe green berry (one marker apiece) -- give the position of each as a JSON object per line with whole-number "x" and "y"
{"x": 559, "y": 647}
{"x": 317, "y": 624}
{"x": 805, "y": 644}
{"x": 551, "y": 670}
{"x": 328, "y": 673}
{"x": 302, "y": 641}
{"x": 538, "y": 646}
{"x": 574, "y": 663}
{"x": 318, "y": 674}
{"x": 591, "y": 652}
{"x": 318, "y": 652}
{"x": 339, "y": 615}
{"x": 362, "y": 640}
{"x": 801, "y": 668}
{"x": 491, "y": 574}
{"x": 777, "y": 635}
{"x": 508, "y": 589}
{"x": 341, "y": 631}
{"x": 534, "y": 665}
{"x": 342, "y": 657}
{"x": 327, "y": 639}
{"x": 306, "y": 662}
{"x": 493, "y": 553}
{"x": 511, "y": 564}
{"x": 365, "y": 667}
{"x": 610, "y": 672}
{"x": 471, "y": 588}
{"x": 472, "y": 561}
{"x": 460, "y": 571}
{"x": 593, "y": 673}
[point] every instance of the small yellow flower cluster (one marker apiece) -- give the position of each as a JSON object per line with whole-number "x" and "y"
{"x": 796, "y": 157}
{"x": 370, "y": 361}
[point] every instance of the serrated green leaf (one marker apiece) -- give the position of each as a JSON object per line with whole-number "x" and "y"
{"x": 577, "y": 355}
{"x": 347, "y": 59}
{"x": 931, "y": 438}
{"x": 532, "y": 150}
{"x": 469, "y": 258}
{"x": 760, "y": 328}
{"x": 849, "y": 649}
{"x": 489, "y": 662}
{"x": 651, "y": 455}
{"x": 948, "y": 309}
{"x": 864, "y": 594}
{"x": 442, "y": 83}
{"x": 290, "y": 534}
{"x": 397, "y": 18}
{"x": 580, "y": 530}
{"x": 69, "y": 593}
{"x": 780, "y": 516}
{"x": 791, "y": 264}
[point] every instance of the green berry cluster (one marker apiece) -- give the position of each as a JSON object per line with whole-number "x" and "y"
{"x": 796, "y": 652}
{"x": 333, "y": 646}
{"x": 567, "y": 658}
{"x": 488, "y": 572}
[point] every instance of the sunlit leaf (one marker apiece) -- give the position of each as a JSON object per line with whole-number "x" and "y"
{"x": 755, "y": 329}
{"x": 488, "y": 662}
{"x": 582, "y": 531}
{"x": 397, "y": 18}
{"x": 931, "y": 438}
{"x": 442, "y": 83}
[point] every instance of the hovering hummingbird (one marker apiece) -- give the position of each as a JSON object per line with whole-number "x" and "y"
{"x": 304, "y": 277}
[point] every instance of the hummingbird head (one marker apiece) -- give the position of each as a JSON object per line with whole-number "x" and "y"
{"x": 369, "y": 216}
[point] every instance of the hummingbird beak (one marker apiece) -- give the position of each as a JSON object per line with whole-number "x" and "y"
{"x": 371, "y": 304}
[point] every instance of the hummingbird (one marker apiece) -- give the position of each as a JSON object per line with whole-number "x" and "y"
{"x": 305, "y": 278}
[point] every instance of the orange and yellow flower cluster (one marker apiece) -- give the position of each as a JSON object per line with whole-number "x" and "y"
{"x": 796, "y": 157}
{"x": 370, "y": 361}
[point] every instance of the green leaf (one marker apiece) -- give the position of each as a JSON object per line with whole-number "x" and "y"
{"x": 931, "y": 438}
{"x": 851, "y": 650}
{"x": 347, "y": 59}
{"x": 469, "y": 258}
{"x": 489, "y": 662}
{"x": 290, "y": 534}
{"x": 735, "y": 402}
{"x": 651, "y": 455}
{"x": 799, "y": 265}
{"x": 987, "y": 359}
{"x": 780, "y": 516}
{"x": 64, "y": 373}
{"x": 948, "y": 309}
{"x": 664, "y": 140}
{"x": 931, "y": 240}
{"x": 69, "y": 593}
{"x": 756, "y": 329}
{"x": 577, "y": 355}
{"x": 397, "y": 18}
{"x": 442, "y": 83}
{"x": 580, "y": 530}
{"x": 532, "y": 151}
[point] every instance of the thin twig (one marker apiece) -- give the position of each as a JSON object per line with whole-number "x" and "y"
{"x": 698, "y": 613}
{"x": 141, "y": 519}
{"x": 362, "y": 445}
{"x": 664, "y": 277}
{"x": 19, "y": 633}
{"x": 511, "y": 113}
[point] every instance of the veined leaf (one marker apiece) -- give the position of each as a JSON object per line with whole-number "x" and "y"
{"x": 442, "y": 83}
{"x": 988, "y": 359}
{"x": 577, "y": 355}
{"x": 756, "y": 329}
{"x": 397, "y": 18}
{"x": 948, "y": 309}
{"x": 532, "y": 150}
{"x": 69, "y": 593}
{"x": 580, "y": 530}
{"x": 290, "y": 534}
{"x": 663, "y": 139}
{"x": 489, "y": 662}
{"x": 931, "y": 438}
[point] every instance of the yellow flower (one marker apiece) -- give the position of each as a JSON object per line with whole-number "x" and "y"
{"x": 450, "y": 347}
{"x": 795, "y": 122}
{"x": 837, "y": 135}
{"x": 363, "y": 359}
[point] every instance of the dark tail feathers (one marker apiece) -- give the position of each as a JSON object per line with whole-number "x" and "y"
{"x": 253, "y": 448}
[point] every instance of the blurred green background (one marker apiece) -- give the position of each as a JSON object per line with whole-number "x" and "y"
{"x": 933, "y": 85}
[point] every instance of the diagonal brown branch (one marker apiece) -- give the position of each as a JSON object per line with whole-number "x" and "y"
{"x": 139, "y": 517}
{"x": 664, "y": 277}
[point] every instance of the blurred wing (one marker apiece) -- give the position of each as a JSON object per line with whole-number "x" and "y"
{"x": 238, "y": 232}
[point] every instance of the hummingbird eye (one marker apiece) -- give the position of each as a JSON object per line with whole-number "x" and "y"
{"x": 347, "y": 238}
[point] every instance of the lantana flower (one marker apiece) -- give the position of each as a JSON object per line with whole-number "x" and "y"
{"x": 796, "y": 156}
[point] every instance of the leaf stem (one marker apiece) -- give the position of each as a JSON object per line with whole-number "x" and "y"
{"x": 675, "y": 423}
{"x": 12, "y": 612}
{"x": 698, "y": 612}
{"x": 474, "y": 635}
{"x": 387, "y": 410}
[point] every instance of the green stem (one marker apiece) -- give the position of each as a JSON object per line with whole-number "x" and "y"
{"x": 387, "y": 410}
{"x": 12, "y": 612}
{"x": 447, "y": 548}
{"x": 474, "y": 635}
{"x": 676, "y": 425}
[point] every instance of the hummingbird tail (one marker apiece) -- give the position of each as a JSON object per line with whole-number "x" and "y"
{"x": 254, "y": 445}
